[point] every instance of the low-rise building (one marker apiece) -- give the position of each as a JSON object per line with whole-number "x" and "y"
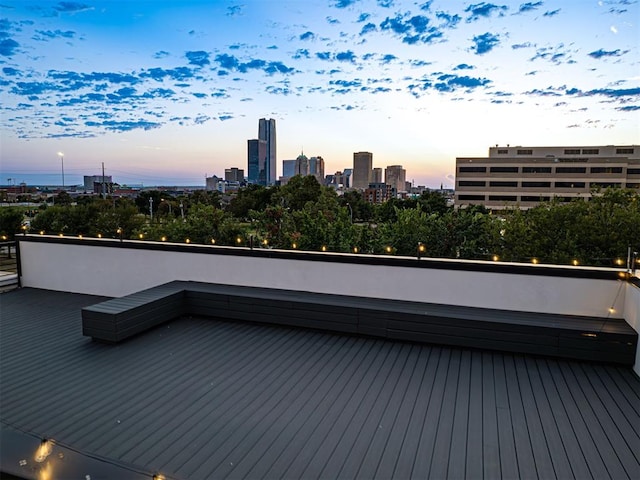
{"x": 526, "y": 176}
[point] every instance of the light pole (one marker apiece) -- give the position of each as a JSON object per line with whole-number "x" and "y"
{"x": 151, "y": 209}
{"x": 350, "y": 211}
{"x": 182, "y": 211}
{"x": 61, "y": 155}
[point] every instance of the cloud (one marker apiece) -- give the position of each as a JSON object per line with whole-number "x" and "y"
{"x": 464, "y": 66}
{"x": 332, "y": 21}
{"x": 556, "y": 55}
{"x": 485, "y": 43}
{"x": 449, "y": 82}
{"x": 529, "y": 6}
{"x": 56, "y": 34}
{"x": 363, "y": 17}
{"x": 629, "y": 108}
{"x": 388, "y": 58}
{"x": 518, "y": 46}
{"x": 426, "y": 6}
{"x": 343, "y": 3}
{"x": 124, "y": 126}
{"x": 160, "y": 54}
{"x": 448, "y": 21}
{"x": 411, "y": 29}
{"x": 604, "y": 53}
{"x": 552, "y": 13}
{"x": 301, "y": 53}
{"x": 159, "y": 74}
{"x": 347, "y": 56}
{"x": 200, "y": 119}
{"x": 230, "y": 62}
{"x": 385, "y": 3}
{"x": 72, "y": 7}
{"x": 368, "y": 28}
{"x": 225, "y": 117}
{"x": 234, "y": 10}
{"x": 199, "y": 58}
{"x": 8, "y": 47}
{"x": 307, "y": 36}
{"x": 11, "y": 72}
{"x": 483, "y": 9}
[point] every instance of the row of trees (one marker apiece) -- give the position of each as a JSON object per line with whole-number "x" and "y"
{"x": 304, "y": 215}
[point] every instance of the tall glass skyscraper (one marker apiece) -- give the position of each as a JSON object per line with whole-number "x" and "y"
{"x": 267, "y": 133}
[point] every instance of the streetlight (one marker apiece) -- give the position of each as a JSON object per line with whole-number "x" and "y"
{"x": 350, "y": 211}
{"x": 61, "y": 155}
{"x": 182, "y": 211}
{"x": 151, "y": 209}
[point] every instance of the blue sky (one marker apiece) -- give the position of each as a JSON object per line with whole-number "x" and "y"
{"x": 168, "y": 91}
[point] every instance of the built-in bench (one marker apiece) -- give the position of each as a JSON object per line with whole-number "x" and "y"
{"x": 578, "y": 337}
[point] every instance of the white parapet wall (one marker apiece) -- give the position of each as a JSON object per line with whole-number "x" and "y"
{"x": 632, "y": 315}
{"x": 112, "y": 268}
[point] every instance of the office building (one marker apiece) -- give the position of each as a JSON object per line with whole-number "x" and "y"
{"x": 362, "y": 169}
{"x": 396, "y": 177}
{"x": 267, "y": 133}
{"x": 302, "y": 165}
{"x": 256, "y": 158}
{"x": 376, "y": 175}
{"x": 526, "y": 176}
{"x": 316, "y": 168}
{"x": 288, "y": 168}
{"x": 378, "y": 193}
{"x": 234, "y": 174}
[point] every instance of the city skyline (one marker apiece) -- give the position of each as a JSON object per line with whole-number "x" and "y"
{"x": 167, "y": 93}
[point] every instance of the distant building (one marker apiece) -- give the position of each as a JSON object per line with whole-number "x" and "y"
{"x": 378, "y": 193}
{"x": 94, "y": 183}
{"x": 362, "y": 169}
{"x": 302, "y": 165}
{"x": 525, "y": 176}
{"x": 376, "y": 175}
{"x": 215, "y": 184}
{"x": 288, "y": 168}
{"x": 347, "y": 177}
{"x": 396, "y": 177}
{"x": 256, "y": 158}
{"x": 234, "y": 174}
{"x": 267, "y": 133}
{"x": 316, "y": 168}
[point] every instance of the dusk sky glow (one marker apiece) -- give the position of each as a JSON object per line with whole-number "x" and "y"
{"x": 166, "y": 91}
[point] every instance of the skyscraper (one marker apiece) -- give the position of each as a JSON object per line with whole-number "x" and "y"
{"x": 396, "y": 177}
{"x": 256, "y": 157}
{"x": 267, "y": 134}
{"x": 362, "y": 169}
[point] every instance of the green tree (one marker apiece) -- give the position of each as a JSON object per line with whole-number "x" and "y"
{"x": 10, "y": 221}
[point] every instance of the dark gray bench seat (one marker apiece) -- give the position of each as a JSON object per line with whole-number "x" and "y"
{"x": 586, "y": 338}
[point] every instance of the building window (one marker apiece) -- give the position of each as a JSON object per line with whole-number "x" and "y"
{"x": 572, "y": 151}
{"x": 571, "y": 170}
{"x": 503, "y": 184}
{"x": 473, "y": 169}
{"x": 606, "y": 169}
{"x": 606, "y": 184}
{"x": 526, "y": 198}
{"x": 572, "y": 160}
{"x": 624, "y": 151}
{"x": 633, "y": 171}
{"x": 471, "y": 183}
{"x": 536, "y": 169}
{"x": 504, "y": 170}
{"x": 471, "y": 197}
{"x": 525, "y": 152}
{"x": 503, "y": 198}
{"x": 536, "y": 184}
{"x": 590, "y": 151}
{"x": 570, "y": 184}
{"x": 502, "y": 151}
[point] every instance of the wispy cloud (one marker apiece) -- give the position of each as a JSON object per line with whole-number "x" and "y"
{"x": 607, "y": 53}
{"x": 484, "y": 9}
{"x": 485, "y": 43}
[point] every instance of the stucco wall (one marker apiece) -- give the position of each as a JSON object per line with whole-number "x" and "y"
{"x": 112, "y": 270}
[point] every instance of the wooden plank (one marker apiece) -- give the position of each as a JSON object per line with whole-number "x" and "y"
{"x": 474, "y": 467}
{"x": 506, "y": 442}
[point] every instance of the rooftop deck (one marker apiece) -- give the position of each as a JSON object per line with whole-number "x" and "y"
{"x": 206, "y": 398}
